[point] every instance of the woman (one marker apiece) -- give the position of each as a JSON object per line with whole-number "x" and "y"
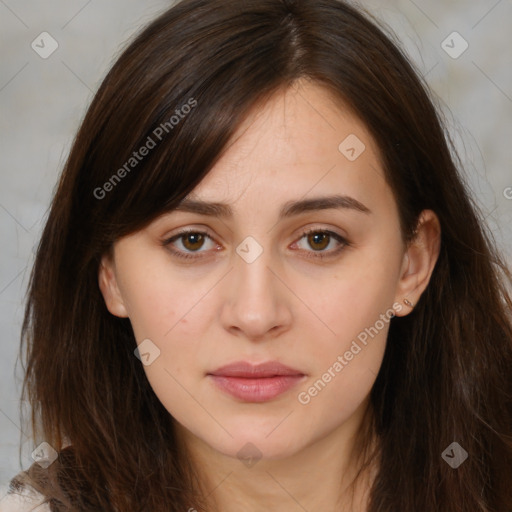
{"x": 262, "y": 283}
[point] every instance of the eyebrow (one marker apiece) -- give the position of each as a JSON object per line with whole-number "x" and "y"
{"x": 289, "y": 209}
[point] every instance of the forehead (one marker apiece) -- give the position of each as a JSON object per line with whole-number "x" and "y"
{"x": 302, "y": 141}
{"x": 299, "y": 124}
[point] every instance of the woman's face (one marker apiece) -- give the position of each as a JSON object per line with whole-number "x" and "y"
{"x": 301, "y": 266}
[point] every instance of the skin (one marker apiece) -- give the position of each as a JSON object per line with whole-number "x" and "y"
{"x": 301, "y": 311}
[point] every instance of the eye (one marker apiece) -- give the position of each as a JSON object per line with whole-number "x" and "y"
{"x": 319, "y": 240}
{"x": 190, "y": 240}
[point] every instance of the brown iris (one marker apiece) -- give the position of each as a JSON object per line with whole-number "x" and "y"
{"x": 318, "y": 238}
{"x": 196, "y": 241}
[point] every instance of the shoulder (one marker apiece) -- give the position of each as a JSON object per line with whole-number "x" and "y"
{"x": 14, "y": 498}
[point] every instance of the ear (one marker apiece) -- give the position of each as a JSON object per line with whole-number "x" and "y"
{"x": 108, "y": 285}
{"x": 419, "y": 261}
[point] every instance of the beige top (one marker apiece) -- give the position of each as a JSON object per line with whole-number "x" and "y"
{"x": 26, "y": 500}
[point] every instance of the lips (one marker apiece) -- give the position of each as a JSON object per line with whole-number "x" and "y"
{"x": 255, "y": 382}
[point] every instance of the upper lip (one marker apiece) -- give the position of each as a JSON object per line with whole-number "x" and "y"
{"x": 255, "y": 371}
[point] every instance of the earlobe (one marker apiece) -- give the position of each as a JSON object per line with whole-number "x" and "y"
{"x": 419, "y": 261}
{"x": 107, "y": 282}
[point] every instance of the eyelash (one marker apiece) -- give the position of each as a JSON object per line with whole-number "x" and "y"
{"x": 316, "y": 254}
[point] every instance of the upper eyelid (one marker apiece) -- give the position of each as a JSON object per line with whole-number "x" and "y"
{"x": 303, "y": 232}
{"x": 207, "y": 231}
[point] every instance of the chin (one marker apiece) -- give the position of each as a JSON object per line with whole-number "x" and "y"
{"x": 251, "y": 450}
{"x": 252, "y": 441}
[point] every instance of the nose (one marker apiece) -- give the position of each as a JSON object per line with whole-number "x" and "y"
{"x": 257, "y": 302}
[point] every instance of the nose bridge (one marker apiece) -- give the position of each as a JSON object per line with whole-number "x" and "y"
{"x": 252, "y": 270}
{"x": 256, "y": 304}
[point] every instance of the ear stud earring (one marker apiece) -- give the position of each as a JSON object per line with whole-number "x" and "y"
{"x": 408, "y": 303}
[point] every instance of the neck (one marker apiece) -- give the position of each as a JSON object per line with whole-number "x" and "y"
{"x": 328, "y": 474}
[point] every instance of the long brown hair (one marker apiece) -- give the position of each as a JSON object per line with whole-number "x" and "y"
{"x": 446, "y": 375}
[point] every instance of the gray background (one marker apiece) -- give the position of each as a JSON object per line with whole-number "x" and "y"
{"x": 43, "y": 100}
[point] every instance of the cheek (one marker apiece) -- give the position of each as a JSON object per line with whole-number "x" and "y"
{"x": 346, "y": 364}
{"x": 166, "y": 309}
{"x": 351, "y": 299}
{"x": 356, "y": 310}
{"x": 162, "y": 310}
{"x": 160, "y": 299}
{"x": 175, "y": 370}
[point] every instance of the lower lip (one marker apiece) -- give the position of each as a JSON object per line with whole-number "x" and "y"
{"x": 256, "y": 390}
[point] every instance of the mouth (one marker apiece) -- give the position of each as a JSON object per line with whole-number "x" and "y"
{"x": 256, "y": 382}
